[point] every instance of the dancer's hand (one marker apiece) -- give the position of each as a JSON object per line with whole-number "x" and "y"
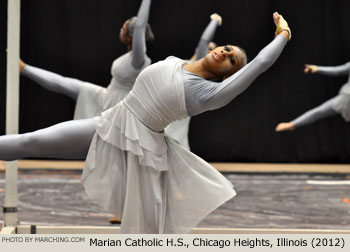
{"x": 281, "y": 26}
{"x": 310, "y": 68}
{"x": 285, "y": 126}
{"x": 21, "y": 65}
{"x": 216, "y": 17}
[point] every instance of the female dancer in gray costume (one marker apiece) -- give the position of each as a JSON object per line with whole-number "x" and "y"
{"x": 131, "y": 169}
{"x": 178, "y": 129}
{"x": 336, "y": 105}
{"x": 93, "y": 99}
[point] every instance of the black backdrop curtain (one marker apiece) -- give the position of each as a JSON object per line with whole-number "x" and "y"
{"x": 80, "y": 39}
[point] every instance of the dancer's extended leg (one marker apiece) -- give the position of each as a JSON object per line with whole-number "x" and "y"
{"x": 69, "y": 139}
{"x": 322, "y": 111}
{"x": 52, "y": 81}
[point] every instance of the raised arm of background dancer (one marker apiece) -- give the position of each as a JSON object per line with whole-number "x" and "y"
{"x": 224, "y": 92}
{"x": 139, "y": 35}
{"x": 53, "y": 82}
{"x": 334, "y": 70}
{"x": 207, "y": 36}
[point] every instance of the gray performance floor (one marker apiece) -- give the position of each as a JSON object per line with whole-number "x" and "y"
{"x": 262, "y": 201}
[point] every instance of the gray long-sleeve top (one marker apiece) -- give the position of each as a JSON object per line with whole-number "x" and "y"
{"x": 334, "y": 70}
{"x": 337, "y": 71}
{"x": 207, "y": 36}
{"x": 139, "y": 35}
{"x": 202, "y": 95}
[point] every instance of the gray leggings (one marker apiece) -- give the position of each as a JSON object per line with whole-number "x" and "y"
{"x": 69, "y": 140}
{"x": 54, "y": 82}
{"x": 320, "y": 112}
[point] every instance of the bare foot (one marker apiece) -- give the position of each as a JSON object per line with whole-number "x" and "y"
{"x": 114, "y": 220}
{"x": 21, "y": 65}
{"x": 285, "y": 126}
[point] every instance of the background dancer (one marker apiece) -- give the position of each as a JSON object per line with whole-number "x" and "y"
{"x": 339, "y": 104}
{"x": 91, "y": 99}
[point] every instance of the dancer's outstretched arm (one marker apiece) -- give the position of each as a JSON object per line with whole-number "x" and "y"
{"x": 52, "y": 81}
{"x": 218, "y": 95}
{"x": 139, "y": 35}
{"x": 328, "y": 70}
{"x": 214, "y": 95}
{"x": 69, "y": 139}
{"x": 207, "y": 36}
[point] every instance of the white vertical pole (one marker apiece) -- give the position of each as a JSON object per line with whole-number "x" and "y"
{"x": 12, "y": 107}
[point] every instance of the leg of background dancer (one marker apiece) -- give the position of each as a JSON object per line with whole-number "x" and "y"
{"x": 52, "y": 81}
{"x": 322, "y": 111}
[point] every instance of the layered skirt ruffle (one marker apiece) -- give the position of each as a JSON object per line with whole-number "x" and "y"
{"x": 148, "y": 180}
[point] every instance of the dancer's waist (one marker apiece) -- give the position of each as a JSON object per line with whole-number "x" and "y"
{"x": 148, "y": 115}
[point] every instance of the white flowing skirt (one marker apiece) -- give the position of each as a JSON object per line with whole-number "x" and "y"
{"x": 148, "y": 180}
{"x": 178, "y": 130}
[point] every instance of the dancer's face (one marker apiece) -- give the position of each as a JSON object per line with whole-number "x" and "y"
{"x": 123, "y": 35}
{"x": 223, "y": 61}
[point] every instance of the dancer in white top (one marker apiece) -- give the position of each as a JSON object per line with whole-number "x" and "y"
{"x": 131, "y": 168}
